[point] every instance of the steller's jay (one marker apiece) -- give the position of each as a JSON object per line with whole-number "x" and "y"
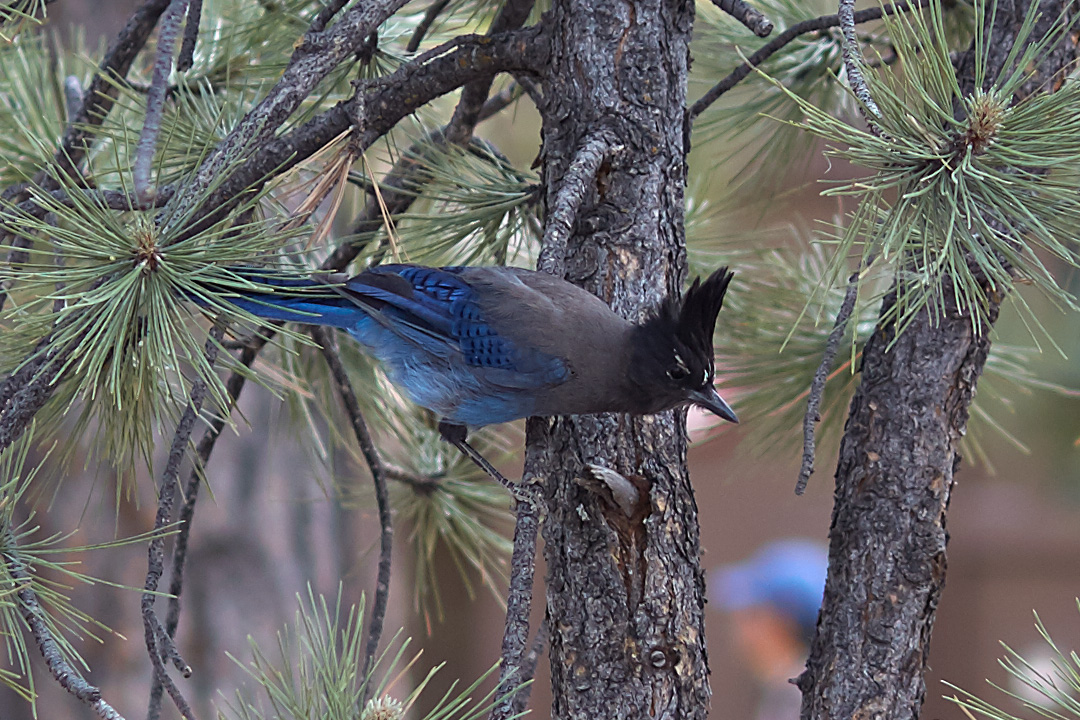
{"x": 486, "y": 345}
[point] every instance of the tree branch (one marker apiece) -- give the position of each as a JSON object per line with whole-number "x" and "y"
{"x": 382, "y": 497}
{"x": 33, "y": 615}
{"x": 191, "y": 35}
{"x": 511, "y": 16}
{"x": 380, "y": 104}
{"x": 853, "y": 65}
{"x": 156, "y": 638}
{"x": 155, "y": 99}
{"x": 26, "y": 390}
{"x": 326, "y": 14}
{"x": 580, "y": 174}
{"x": 100, "y": 96}
{"x": 513, "y": 671}
{"x": 233, "y": 386}
{"x": 817, "y": 386}
{"x": 528, "y": 669}
{"x": 432, "y": 14}
{"x": 318, "y": 53}
{"x": 749, "y": 16}
{"x": 783, "y": 39}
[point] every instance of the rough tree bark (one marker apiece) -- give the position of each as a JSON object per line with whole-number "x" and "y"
{"x": 624, "y": 589}
{"x": 895, "y": 478}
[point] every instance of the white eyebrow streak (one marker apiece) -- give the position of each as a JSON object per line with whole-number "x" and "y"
{"x": 680, "y": 362}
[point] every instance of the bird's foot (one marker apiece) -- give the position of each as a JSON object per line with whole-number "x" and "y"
{"x": 523, "y": 492}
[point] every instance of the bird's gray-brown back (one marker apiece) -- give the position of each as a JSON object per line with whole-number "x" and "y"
{"x": 546, "y": 313}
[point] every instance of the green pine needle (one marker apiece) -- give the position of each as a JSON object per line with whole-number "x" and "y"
{"x": 120, "y": 301}
{"x": 1052, "y": 692}
{"x": 17, "y": 15}
{"x": 768, "y": 352}
{"x": 475, "y": 208}
{"x": 317, "y": 672}
{"x": 52, "y": 572}
{"x": 952, "y": 200}
{"x": 731, "y": 128}
{"x": 33, "y": 110}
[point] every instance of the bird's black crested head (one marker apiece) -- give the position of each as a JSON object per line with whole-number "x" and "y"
{"x": 673, "y": 349}
{"x": 696, "y": 313}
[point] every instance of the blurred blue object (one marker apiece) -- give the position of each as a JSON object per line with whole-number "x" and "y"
{"x": 787, "y": 576}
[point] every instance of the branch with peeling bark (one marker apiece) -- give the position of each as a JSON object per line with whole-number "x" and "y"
{"x": 382, "y": 497}
{"x": 782, "y": 40}
{"x": 33, "y": 615}
{"x": 853, "y": 63}
{"x": 158, "y": 642}
{"x": 575, "y": 184}
{"x": 515, "y": 670}
{"x": 817, "y": 385}
{"x": 749, "y": 16}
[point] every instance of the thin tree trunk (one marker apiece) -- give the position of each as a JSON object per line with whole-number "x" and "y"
{"x": 894, "y": 481}
{"x": 624, "y": 589}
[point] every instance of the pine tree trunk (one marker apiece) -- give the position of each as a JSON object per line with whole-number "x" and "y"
{"x": 895, "y": 478}
{"x": 625, "y": 594}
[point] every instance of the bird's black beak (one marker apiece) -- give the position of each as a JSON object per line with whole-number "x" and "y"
{"x": 709, "y": 399}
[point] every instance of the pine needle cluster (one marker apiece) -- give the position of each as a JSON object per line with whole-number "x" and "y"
{"x": 968, "y": 192}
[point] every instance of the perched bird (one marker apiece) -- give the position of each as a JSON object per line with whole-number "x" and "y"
{"x": 486, "y": 345}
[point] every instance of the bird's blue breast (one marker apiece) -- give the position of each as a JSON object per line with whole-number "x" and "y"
{"x": 450, "y": 384}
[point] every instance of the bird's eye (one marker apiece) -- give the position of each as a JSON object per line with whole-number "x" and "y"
{"x": 678, "y": 373}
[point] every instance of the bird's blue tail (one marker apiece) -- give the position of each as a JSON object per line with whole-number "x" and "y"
{"x": 298, "y": 300}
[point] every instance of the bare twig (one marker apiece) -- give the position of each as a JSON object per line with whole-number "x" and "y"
{"x": 511, "y": 16}
{"x": 749, "y": 16}
{"x": 155, "y": 99}
{"x": 27, "y": 389}
{"x": 528, "y": 669}
{"x": 34, "y": 617}
{"x": 382, "y": 496}
{"x": 497, "y": 103}
{"x": 777, "y": 43}
{"x": 100, "y": 96}
{"x": 325, "y": 15}
{"x": 234, "y": 385}
{"x": 575, "y": 184}
{"x": 513, "y": 669}
{"x": 419, "y": 483}
{"x": 817, "y": 386}
{"x": 191, "y": 35}
{"x": 428, "y": 20}
{"x": 152, "y": 630}
{"x": 853, "y": 65}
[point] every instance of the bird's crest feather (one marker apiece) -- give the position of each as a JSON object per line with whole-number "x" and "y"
{"x": 693, "y": 316}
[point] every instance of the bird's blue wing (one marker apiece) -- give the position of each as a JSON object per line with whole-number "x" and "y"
{"x": 437, "y": 306}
